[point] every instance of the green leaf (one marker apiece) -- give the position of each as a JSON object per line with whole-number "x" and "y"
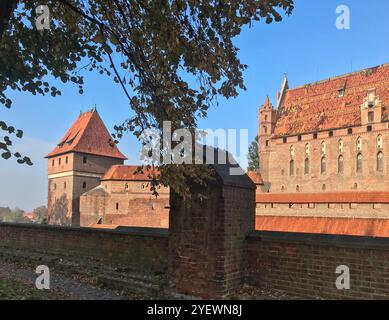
{"x": 6, "y": 155}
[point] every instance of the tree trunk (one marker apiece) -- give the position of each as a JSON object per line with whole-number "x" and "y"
{"x": 6, "y": 9}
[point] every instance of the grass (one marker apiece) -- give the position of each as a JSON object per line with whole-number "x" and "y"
{"x": 12, "y": 290}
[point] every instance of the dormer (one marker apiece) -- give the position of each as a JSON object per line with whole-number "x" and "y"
{"x": 371, "y": 108}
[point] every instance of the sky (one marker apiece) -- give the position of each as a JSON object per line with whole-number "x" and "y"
{"x": 307, "y": 46}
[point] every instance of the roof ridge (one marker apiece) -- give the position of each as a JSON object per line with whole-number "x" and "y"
{"x": 339, "y": 77}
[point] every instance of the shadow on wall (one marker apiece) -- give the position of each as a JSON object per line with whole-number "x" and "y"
{"x": 60, "y": 214}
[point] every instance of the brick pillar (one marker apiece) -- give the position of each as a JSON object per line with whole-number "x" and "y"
{"x": 206, "y": 236}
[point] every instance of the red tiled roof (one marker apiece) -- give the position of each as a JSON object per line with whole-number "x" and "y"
{"x": 317, "y": 106}
{"x": 318, "y": 225}
{"x": 88, "y": 134}
{"x": 330, "y": 197}
{"x": 128, "y": 173}
{"x": 256, "y": 177}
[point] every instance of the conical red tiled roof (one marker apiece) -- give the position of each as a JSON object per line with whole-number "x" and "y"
{"x": 88, "y": 134}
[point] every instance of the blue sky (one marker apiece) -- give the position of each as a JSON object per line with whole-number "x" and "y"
{"x": 307, "y": 46}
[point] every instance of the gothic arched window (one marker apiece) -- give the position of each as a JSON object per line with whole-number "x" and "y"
{"x": 359, "y": 144}
{"x": 323, "y": 148}
{"x": 359, "y": 162}
{"x": 340, "y": 146}
{"x": 323, "y": 165}
{"x": 380, "y": 161}
{"x": 340, "y": 164}
{"x": 306, "y": 166}
{"x": 380, "y": 142}
{"x": 291, "y": 168}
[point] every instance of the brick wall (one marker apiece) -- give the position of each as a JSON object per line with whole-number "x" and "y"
{"x": 206, "y": 242}
{"x": 140, "y": 249}
{"x": 368, "y": 180}
{"x": 305, "y": 264}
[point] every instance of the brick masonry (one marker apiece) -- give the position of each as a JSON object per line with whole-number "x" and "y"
{"x": 139, "y": 249}
{"x": 305, "y": 264}
{"x": 207, "y": 234}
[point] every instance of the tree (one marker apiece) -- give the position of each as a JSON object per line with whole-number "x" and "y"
{"x": 149, "y": 47}
{"x": 253, "y": 156}
{"x": 40, "y": 214}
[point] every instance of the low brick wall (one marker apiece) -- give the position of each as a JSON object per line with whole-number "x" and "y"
{"x": 143, "y": 249}
{"x": 305, "y": 264}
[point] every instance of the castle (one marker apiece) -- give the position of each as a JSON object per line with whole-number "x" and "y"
{"x": 89, "y": 185}
{"x": 323, "y": 152}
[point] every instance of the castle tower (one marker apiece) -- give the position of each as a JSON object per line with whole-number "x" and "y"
{"x": 267, "y": 123}
{"x": 76, "y": 165}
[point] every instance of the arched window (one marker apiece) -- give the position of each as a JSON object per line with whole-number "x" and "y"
{"x": 340, "y": 164}
{"x": 340, "y": 146}
{"x": 380, "y": 161}
{"x": 306, "y": 166}
{"x": 117, "y": 205}
{"x": 380, "y": 142}
{"x": 292, "y": 151}
{"x": 359, "y": 162}
{"x": 359, "y": 144}
{"x": 291, "y": 168}
{"x": 323, "y": 148}
{"x": 323, "y": 165}
{"x": 84, "y": 185}
{"x": 307, "y": 151}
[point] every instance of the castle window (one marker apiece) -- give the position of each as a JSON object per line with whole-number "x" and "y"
{"x": 380, "y": 161}
{"x": 324, "y": 187}
{"x": 307, "y": 151}
{"x": 66, "y": 160}
{"x": 299, "y": 138}
{"x": 323, "y": 148}
{"x": 284, "y": 140}
{"x": 369, "y": 128}
{"x": 292, "y": 151}
{"x": 59, "y": 161}
{"x": 84, "y": 185}
{"x": 291, "y": 168}
{"x": 359, "y": 162}
{"x": 350, "y": 131}
{"x": 126, "y": 186}
{"x": 265, "y": 117}
{"x": 359, "y": 144}
{"x": 340, "y": 165}
{"x": 55, "y": 186}
{"x": 306, "y": 166}
{"x": 84, "y": 160}
{"x": 380, "y": 142}
{"x": 340, "y": 146}
{"x": 370, "y": 117}
{"x": 297, "y": 188}
{"x": 64, "y": 185}
{"x": 331, "y": 133}
{"x": 283, "y": 188}
{"x": 315, "y": 136}
{"x": 323, "y": 166}
{"x": 265, "y": 129}
{"x": 52, "y": 163}
{"x": 267, "y": 143}
{"x": 341, "y": 93}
